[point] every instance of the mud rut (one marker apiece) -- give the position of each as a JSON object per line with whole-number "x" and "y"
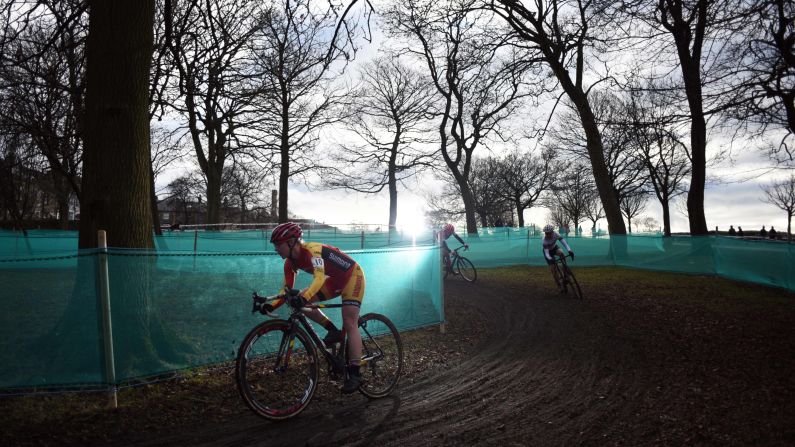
{"x": 547, "y": 370}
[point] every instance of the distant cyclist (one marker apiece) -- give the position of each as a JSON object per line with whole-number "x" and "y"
{"x": 447, "y": 231}
{"x": 550, "y": 247}
{"x": 334, "y": 274}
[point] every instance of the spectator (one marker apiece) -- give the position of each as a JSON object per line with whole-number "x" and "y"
{"x": 740, "y": 231}
{"x": 499, "y": 222}
{"x": 732, "y": 231}
{"x": 773, "y": 233}
{"x": 763, "y": 232}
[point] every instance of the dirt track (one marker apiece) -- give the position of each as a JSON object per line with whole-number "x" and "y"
{"x": 627, "y": 366}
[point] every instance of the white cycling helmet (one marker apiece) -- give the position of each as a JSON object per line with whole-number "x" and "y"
{"x": 548, "y": 228}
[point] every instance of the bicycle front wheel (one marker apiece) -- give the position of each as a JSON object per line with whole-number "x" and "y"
{"x": 571, "y": 280}
{"x": 466, "y": 269}
{"x": 276, "y": 373}
{"x": 382, "y": 355}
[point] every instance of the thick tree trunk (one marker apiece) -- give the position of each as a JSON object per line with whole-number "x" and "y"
{"x": 214, "y": 195}
{"x": 469, "y": 208}
{"x": 615, "y": 222}
{"x": 520, "y": 213}
{"x": 116, "y": 196}
{"x": 116, "y": 191}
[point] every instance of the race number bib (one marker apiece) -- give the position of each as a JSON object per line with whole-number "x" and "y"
{"x": 317, "y": 262}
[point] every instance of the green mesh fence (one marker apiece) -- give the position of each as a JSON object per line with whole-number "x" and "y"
{"x": 175, "y": 308}
{"x": 171, "y": 310}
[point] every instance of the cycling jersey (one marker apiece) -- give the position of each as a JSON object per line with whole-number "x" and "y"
{"x": 549, "y": 245}
{"x": 444, "y": 235}
{"x": 334, "y": 273}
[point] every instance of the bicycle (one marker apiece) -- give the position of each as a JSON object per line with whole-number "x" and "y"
{"x": 277, "y": 367}
{"x": 564, "y": 277}
{"x": 461, "y": 266}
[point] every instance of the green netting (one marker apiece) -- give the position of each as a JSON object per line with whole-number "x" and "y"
{"x": 172, "y": 311}
{"x": 176, "y": 308}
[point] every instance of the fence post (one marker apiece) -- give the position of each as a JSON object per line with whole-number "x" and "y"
{"x": 107, "y": 329}
{"x": 527, "y": 250}
{"x": 362, "y": 239}
{"x": 195, "y": 239}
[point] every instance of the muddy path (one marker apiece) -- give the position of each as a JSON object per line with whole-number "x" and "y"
{"x": 629, "y": 365}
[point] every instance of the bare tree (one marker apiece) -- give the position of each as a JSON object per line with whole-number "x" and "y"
{"x": 391, "y": 114}
{"x": 558, "y": 216}
{"x": 242, "y": 187}
{"x": 563, "y": 33}
{"x": 42, "y": 86}
{"x": 782, "y": 195}
{"x": 20, "y": 165}
{"x": 185, "y": 193}
{"x": 593, "y": 210}
{"x": 659, "y": 144}
{"x": 209, "y": 48}
{"x": 764, "y": 85}
{"x": 626, "y": 171}
{"x": 480, "y": 79}
{"x": 632, "y": 205}
{"x": 298, "y": 52}
{"x": 523, "y": 177}
{"x": 573, "y": 192}
{"x": 650, "y": 224}
{"x": 167, "y": 147}
{"x": 698, "y": 33}
{"x": 484, "y": 182}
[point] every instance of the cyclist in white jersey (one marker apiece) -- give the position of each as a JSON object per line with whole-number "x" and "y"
{"x": 550, "y": 247}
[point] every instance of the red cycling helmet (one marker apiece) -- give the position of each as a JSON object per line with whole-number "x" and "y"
{"x": 448, "y": 229}
{"x": 285, "y": 231}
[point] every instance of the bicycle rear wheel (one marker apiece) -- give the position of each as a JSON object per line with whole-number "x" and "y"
{"x": 466, "y": 269}
{"x": 571, "y": 280}
{"x": 276, "y": 374}
{"x": 382, "y": 355}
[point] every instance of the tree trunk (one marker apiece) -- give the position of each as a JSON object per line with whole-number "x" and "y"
{"x": 469, "y": 208}
{"x": 789, "y": 227}
{"x": 214, "y": 195}
{"x": 393, "y": 181}
{"x": 155, "y": 214}
{"x": 284, "y": 176}
{"x": 116, "y": 191}
{"x": 615, "y": 222}
{"x": 666, "y": 219}
{"x": 116, "y": 196}
{"x": 519, "y": 213}
{"x": 691, "y": 74}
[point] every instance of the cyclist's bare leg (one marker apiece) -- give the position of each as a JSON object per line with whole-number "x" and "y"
{"x": 446, "y": 257}
{"x": 315, "y": 315}
{"x": 350, "y": 321}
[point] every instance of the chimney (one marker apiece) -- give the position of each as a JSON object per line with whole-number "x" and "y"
{"x": 274, "y": 202}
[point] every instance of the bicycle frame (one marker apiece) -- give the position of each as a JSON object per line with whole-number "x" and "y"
{"x": 297, "y": 318}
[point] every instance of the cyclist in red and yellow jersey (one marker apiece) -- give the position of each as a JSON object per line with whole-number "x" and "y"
{"x": 334, "y": 274}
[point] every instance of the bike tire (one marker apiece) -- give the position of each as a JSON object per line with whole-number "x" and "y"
{"x": 276, "y": 378}
{"x": 572, "y": 281}
{"x": 561, "y": 278}
{"x": 466, "y": 269}
{"x": 382, "y": 355}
